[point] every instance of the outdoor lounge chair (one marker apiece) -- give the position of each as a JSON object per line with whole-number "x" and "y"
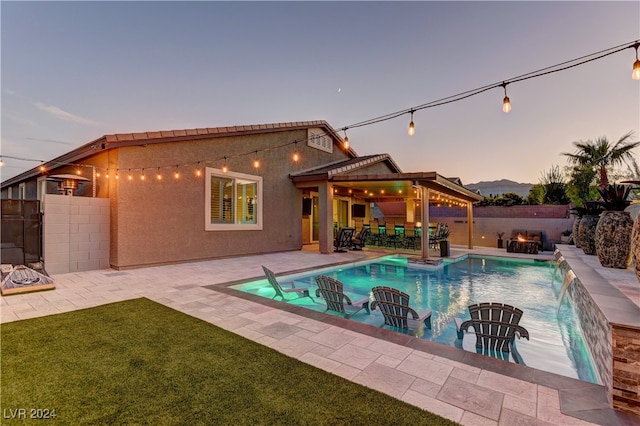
{"x": 342, "y": 243}
{"x": 360, "y": 240}
{"x": 281, "y": 291}
{"x": 394, "y": 306}
{"x": 332, "y": 291}
{"x": 496, "y": 327}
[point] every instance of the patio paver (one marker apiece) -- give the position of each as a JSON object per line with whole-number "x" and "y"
{"x": 457, "y": 390}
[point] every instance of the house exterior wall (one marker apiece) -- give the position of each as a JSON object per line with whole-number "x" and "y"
{"x": 75, "y": 233}
{"x": 156, "y": 222}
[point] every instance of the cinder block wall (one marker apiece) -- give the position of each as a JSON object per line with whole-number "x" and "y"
{"x": 488, "y": 221}
{"x": 75, "y": 233}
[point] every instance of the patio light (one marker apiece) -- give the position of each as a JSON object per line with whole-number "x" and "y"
{"x": 506, "y": 103}
{"x": 225, "y": 169}
{"x": 198, "y": 171}
{"x": 143, "y": 177}
{"x": 346, "y": 139}
{"x": 412, "y": 128}
{"x": 256, "y": 162}
{"x": 1, "y": 162}
{"x": 177, "y": 173}
{"x": 636, "y": 65}
{"x": 159, "y": 175}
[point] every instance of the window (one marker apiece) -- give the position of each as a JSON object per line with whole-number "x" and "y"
{"x": 233, "y": 201}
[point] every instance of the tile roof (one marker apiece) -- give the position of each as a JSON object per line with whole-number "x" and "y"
{"x": 342, "y": 166}
{"x": 131, "y": 139}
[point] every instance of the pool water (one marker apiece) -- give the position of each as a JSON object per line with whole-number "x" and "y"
{"x": 556, "y": 344}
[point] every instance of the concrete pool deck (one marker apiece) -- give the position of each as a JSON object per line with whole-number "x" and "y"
{"x": 462, "y": 386}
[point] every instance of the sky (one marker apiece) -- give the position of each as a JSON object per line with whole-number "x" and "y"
{"x": 72, "y": 72}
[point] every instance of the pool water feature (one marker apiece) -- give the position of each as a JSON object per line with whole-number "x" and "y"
{"x": 556, "y": 344}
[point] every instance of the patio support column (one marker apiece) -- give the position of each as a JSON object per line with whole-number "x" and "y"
{"x": 470, "y": 224}
{"x": 411, "y": 208}
{"x": 325, "y": 200}
{"x": 424, "y": 213}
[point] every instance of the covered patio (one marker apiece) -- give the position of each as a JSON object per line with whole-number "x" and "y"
{"x": 409, "y": 188}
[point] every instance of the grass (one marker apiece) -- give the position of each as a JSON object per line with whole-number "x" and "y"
{"x": 139, "y": 362}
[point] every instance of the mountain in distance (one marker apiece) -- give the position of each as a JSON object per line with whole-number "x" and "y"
{"x": 502, "y": 186}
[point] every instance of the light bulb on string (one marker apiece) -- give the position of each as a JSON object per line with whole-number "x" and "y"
{"x": 346, "y": 139}
{"x": 130, "y": 176}
{"x": 296, "y": 156}
{"x": 117, "y": 177}
{"x": 142, "y": 176}
{"x": 256, "y": 162}
{"x": 42, "y": 168}
{"x": 225, "y": 168}
{"x": 412, "y": 128}
{"x": 159, "y": 175}
{"x": 78, "y": 171}
{"x": 177, "y": 173}
{"x": 635, "y": 74}
{"x": 506, "y": 103}
{"x": 198, "y": 171}
{"x": 1, "y": 162}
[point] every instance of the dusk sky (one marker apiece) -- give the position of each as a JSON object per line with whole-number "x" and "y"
{"x": 74, "y": 71}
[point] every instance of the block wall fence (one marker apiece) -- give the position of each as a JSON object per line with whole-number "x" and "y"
{"x": 490, "y": 220}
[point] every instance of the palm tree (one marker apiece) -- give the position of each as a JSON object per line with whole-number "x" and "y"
{"x": 600, "y": 154}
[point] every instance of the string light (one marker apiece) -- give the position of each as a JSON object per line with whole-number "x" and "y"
{"x": 198, "y": 172}
{"x": 159, "y": 175}
{"x": 412, "y": 128}
{"x": 142, "y": 176}
{"x": 78, "y": 171}
{"x": 506, "y": 103}
{"x": 296, "y": 156}
{"x": 225, "y": 169}
{"x": 256, "y": 162}
{"x": 1, "y": 162}
{"x": 117, "y": 177}
{"x": 636, "y": 65}
{"x": 129, "y": 176}
{"x": 450, "y": 99}
{"x": 177, "y": 173}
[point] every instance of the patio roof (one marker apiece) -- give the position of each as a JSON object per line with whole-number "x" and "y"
{"x": 385, "y": 186}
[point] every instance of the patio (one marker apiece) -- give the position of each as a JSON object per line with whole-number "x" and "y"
{"x": 461, "y": 386}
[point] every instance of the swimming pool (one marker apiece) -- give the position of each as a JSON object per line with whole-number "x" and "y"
{"x": 556, "y": 344}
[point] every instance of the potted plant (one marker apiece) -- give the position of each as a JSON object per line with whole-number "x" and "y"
{"x": 587, "y": 227}
{"x": 579, "y": 212}
{"x": 445, "y": 246}
{"x": 500, "y": 241}
{"x": 613, "y": 233}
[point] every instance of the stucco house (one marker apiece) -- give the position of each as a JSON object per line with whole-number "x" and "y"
{"x": 194, "y": 194}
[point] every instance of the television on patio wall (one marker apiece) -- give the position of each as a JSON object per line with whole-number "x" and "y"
{"x": 358, "y": 210}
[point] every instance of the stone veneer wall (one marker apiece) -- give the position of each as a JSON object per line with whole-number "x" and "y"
{"x": 595, "y": 329}
{"x": 626, "y": 368}
{"x": 75, "y": 234}
{"x": 614, "y": 347}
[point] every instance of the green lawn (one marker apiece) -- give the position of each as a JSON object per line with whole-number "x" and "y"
{"x": 139, "y": 362}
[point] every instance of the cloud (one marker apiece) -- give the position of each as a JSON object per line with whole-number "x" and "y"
{"x": 49, "y": 141}
{"x": 64, "y": 115}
